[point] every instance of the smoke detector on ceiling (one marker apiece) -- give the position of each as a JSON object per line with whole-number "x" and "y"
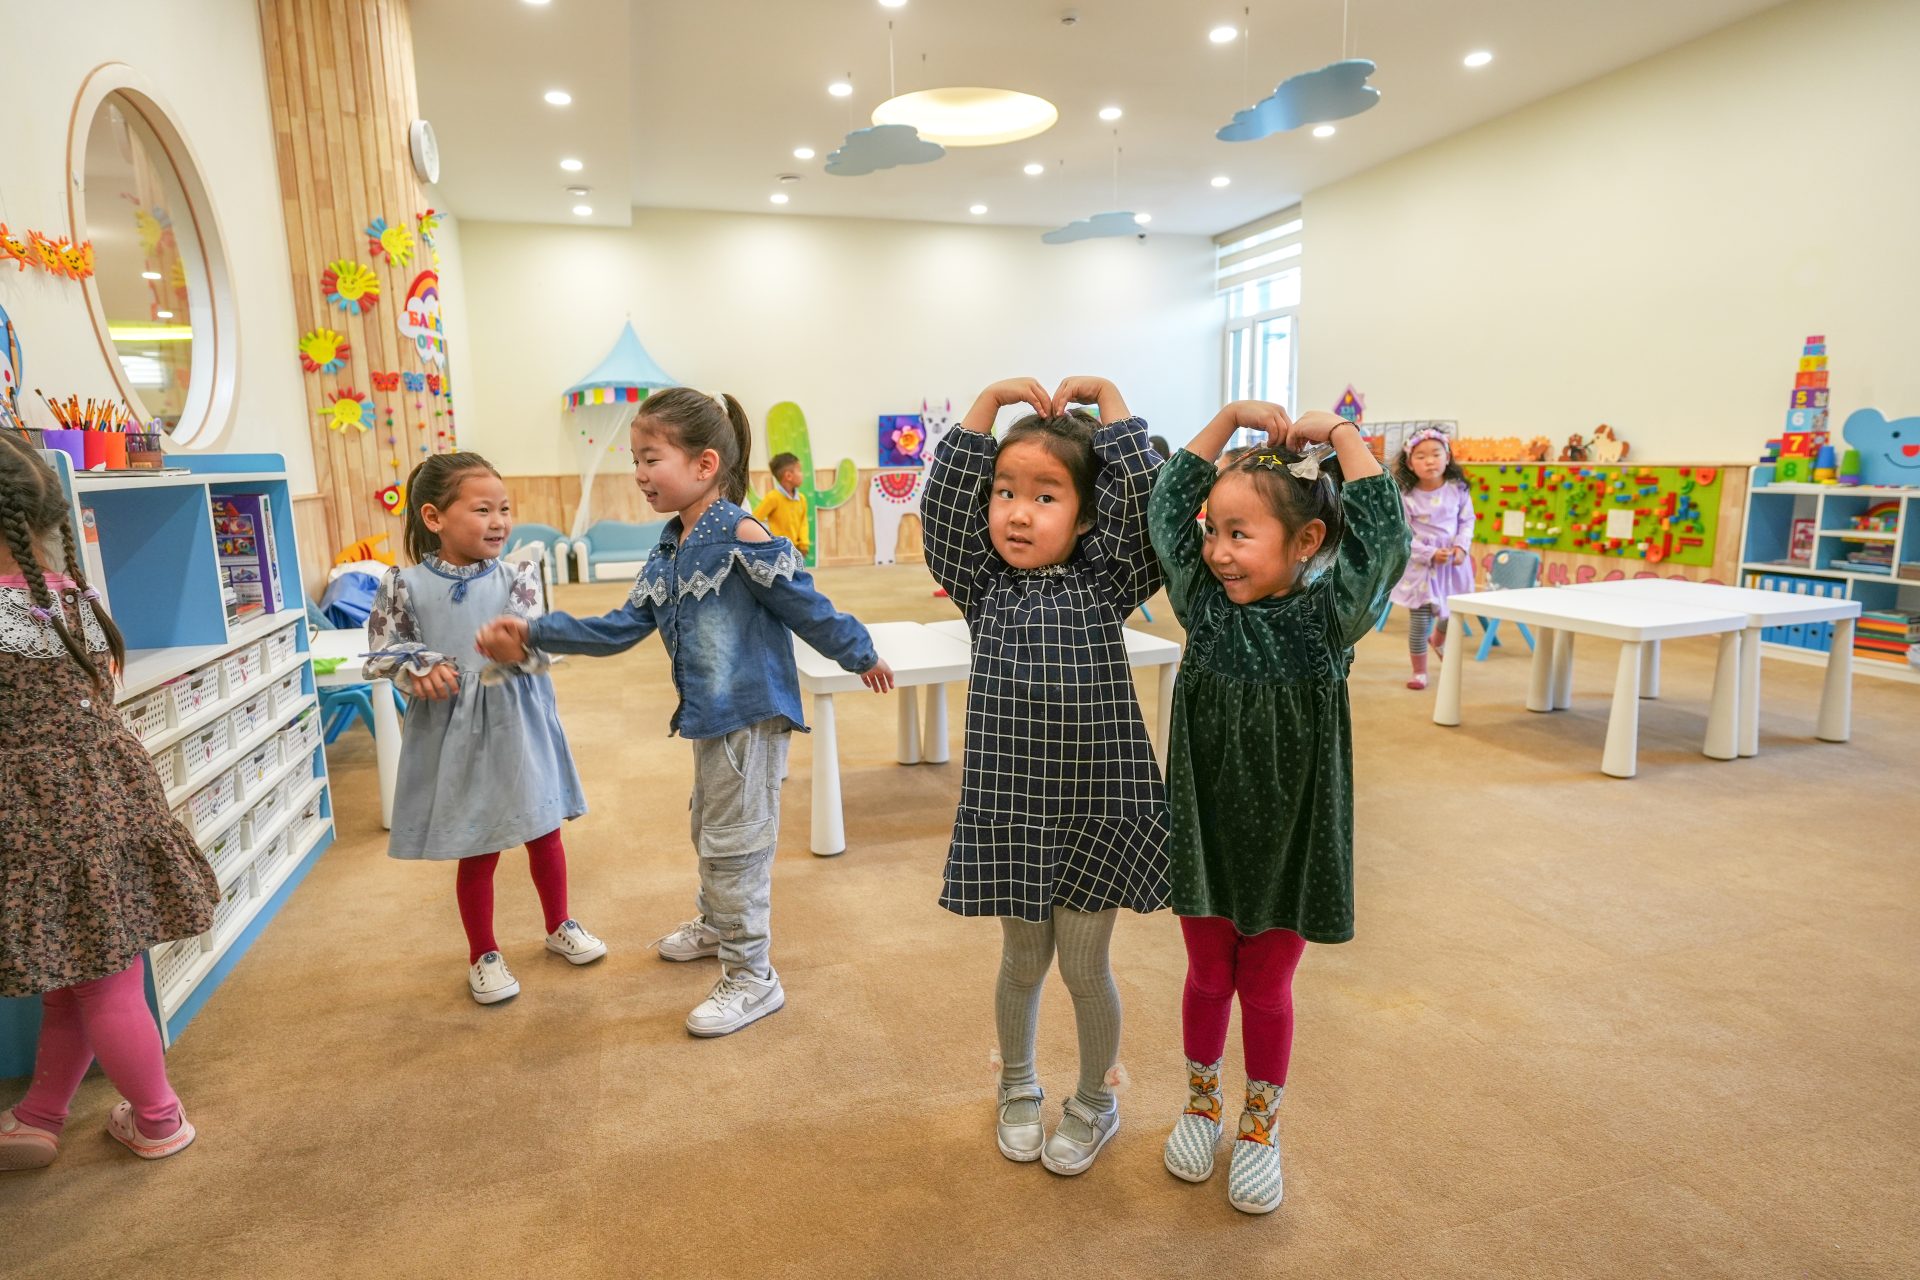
{"x": 786, "y": 177}
{"x": 1069, "y": 17}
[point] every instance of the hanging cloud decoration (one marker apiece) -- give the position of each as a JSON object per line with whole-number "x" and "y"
{"x": 884, "y": 146}
{"x": 1334, "y": 92}
{"x": 1100, "y": 224}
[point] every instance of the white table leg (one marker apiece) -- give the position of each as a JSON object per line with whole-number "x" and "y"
{"x": 1540, "y": 675}
{"x": 934, "y": 744}
{"x": 1163, "y": 712}
{"x": 1446, "y": 699}
{"x": 1750, "y": 693}
{"x": 1622, "y": 752}
{"x": 908, "y": 748}
{"x": 386, "y": 746}
{"x": 1650, "y": 669}
{"x": 1723, "y": 714}
{"x": 1563, "y": 669}
{"x": 829, "y": 828}
{"x": 1836, "y": 696}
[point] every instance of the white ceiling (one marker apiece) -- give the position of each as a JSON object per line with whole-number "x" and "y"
{"x": 699, "y": 103}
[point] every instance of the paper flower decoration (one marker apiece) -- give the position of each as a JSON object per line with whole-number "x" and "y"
{"x": 395, "y": 243}
{"x": 323, "y": 351}
{"x": 385, "y": 381}
{"x": 349, "y": 409}
{"x": 394, "y": 496}
{"x": 350, "y": 286}
{"x": 429, "y": 227}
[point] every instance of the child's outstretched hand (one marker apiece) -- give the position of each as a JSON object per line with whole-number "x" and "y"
{"x": 440, "y": 683}
{"x": 987, "y": 405}
{"x": 503, "y": 640}
{"x": 878, "y": 677}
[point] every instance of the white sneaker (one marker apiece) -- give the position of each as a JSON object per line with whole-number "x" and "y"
{"x": 575, "y": 943}
{"x": 694, "y": 940}
{"x": 737, "y": 1000}
{"x": 491, "y": 981}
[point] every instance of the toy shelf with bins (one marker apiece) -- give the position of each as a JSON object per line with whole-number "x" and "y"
{"x": 227, "y": 710}
{"x": 1766, "y": 545}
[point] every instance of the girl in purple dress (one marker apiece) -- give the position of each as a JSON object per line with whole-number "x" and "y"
{"x": 1440, "y": 512}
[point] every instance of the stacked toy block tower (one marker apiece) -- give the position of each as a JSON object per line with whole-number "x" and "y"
{"x": 1805, "y": 434}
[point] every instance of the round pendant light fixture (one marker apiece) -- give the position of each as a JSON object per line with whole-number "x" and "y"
{"x": 970, "y": 117}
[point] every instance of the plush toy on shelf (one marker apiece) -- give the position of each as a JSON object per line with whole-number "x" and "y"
{"x": 1576, "y": 450}
{"x": 1606, "y": 447}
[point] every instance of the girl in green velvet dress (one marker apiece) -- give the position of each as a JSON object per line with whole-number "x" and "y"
{"x": 1285, "y": 575}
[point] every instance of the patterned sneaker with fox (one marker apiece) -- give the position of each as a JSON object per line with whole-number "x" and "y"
{"x": 1253, "y": 1183}
{"x": 1196, "y": 1133}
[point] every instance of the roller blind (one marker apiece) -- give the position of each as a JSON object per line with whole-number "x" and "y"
{"x": 1258, "y": 249}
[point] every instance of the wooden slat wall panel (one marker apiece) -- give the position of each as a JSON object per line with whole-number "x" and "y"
{"x": 341, "y": 85}
{"x": 313, "y": 529}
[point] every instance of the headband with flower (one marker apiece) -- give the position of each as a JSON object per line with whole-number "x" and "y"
{"x": 1428, "y": 433}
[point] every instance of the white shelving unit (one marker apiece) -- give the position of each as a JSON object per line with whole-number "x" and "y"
{"x": 227, "y": 710}
{"x": 1766, "y": 542}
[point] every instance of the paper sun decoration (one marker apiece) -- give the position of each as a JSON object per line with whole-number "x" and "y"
{"x": 349, "y": 409}
{"x": 393, "y": 497}
{"x": 350, "y": 286}
{"x": 429, "y": 227}
{"x": 394, "y": 243}
{"x": 323, "y": 351}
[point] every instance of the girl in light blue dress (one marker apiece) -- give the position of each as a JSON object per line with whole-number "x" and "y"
{"x": 484, "y": 763}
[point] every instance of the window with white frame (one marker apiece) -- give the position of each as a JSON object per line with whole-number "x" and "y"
{"x": 1257, "y": 273}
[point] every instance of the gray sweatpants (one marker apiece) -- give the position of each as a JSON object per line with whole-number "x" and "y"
{"x": 736, "y": 824}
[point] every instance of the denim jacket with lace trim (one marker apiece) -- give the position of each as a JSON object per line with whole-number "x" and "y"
{"x": 724, "y": 609}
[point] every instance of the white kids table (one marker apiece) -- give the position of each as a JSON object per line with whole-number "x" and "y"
{"x": 352, "y": 645}
{"x": 1559, "y": 614}
{"x": 919, "y": 655}
{"x": 1143, "y": 650}
{"x": 1763, "y": 609}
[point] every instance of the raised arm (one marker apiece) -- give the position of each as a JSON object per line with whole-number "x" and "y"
{"x": 953, "y": 510}
{"x": 1119, "y": 545}
{"x": 1179, "y": 491}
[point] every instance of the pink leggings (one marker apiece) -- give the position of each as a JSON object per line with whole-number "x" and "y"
{"x": 1220, "y": 961}
{"x": 107, "y": 1018}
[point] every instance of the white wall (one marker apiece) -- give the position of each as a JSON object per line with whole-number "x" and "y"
{"x": 849, "y": 319}
{"x": 1648, "y": 250}
{"x": 203, "y": 60}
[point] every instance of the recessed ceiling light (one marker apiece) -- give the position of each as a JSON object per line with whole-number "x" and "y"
{"x": 840, "y": 89}
{"x": 1032, "y": 171}
{"x": 778, "y": 197}
{"x": 1142, "y": 219}
{"x": 1109, "y": 113}
{"x": 163, "y": 315}
{"x": 578, "y": 191}
{"x": 571, "y": 165}
{"x": 1323, "y": 131}
{"x": 1222, "y": 180}
{"x": 1223, "y": 35}
{"x": 803, "y": 153}
{"x": 583, "y": 209}
{"x": 149, "y": 275}
{"x": 969, "y": 116}
{"x": 559, "y": 97}
{"x": 539, "y": 4}
{"x": 976, "y": 209}
{"x": 893, "y": 4}
{"x": 1478, "y": 58}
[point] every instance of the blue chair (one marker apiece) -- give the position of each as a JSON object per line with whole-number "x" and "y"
{"x": 1511, "y": 571}
{"x": 342, "y": 704}
{"x": 554, "y": 540}
{"x": 614, "y": 542}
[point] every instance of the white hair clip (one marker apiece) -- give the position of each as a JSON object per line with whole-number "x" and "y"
{"x": 1308, "y": 468}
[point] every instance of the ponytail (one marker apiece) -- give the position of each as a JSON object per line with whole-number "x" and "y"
{"x": 743, "y": 441}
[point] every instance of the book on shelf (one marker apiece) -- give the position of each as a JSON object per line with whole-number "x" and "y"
{"x": 90, "y": 559}
{"x": 249, "y": 560}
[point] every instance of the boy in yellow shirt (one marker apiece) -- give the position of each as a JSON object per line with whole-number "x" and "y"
{"x": 784, "y": 511}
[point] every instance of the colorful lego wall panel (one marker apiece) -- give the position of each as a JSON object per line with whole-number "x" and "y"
{"x": 1659, "y": 514}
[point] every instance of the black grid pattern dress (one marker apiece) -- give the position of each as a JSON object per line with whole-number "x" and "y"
{"x": 1061, "y": 801}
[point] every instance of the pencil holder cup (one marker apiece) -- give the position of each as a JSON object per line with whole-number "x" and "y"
{"x": 143, "y": 451}
{"x": 114, "y": 449}
{"x": 71, "y": 443}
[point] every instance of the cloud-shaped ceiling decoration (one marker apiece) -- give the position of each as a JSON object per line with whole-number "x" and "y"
{"x": 884, "y": 146}
{"x": 1099, "y": 225}
{"x": 1334, "y": 92}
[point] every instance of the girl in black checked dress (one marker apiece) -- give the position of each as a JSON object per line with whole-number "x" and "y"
{"x": 1042, "y": 543}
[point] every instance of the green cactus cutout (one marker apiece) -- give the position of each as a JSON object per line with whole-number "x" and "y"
{"x": 787, "y": 433}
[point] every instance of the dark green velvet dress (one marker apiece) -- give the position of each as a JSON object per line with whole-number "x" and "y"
{"x": 1260, "y": 763}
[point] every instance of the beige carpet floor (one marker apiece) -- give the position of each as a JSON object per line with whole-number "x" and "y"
{"x": 1590, "y": 1027}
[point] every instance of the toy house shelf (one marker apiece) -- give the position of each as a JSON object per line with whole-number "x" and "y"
{"x": 1831, "y": 512}
{"x": 227, "y": 710}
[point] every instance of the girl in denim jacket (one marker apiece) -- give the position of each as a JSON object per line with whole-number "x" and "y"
{"x": 723, "y": 593}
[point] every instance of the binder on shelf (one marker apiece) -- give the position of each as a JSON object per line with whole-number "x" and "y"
{"x": 96, "y": 568}
{"x": 243, "y": 530}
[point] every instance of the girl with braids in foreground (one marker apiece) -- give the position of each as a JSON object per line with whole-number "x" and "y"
{"x": 93, "y": 868}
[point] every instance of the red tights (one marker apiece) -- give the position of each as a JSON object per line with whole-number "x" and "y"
{"x": 1221, "y": 961}
{"x": 473, "y": 886}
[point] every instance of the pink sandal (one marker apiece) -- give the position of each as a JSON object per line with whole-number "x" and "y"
{"x": 121, "y": 1127}
{"x": 25, "y": 1146}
